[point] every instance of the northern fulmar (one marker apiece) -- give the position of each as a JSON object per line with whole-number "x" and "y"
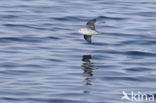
{"x": 89, "y": 31}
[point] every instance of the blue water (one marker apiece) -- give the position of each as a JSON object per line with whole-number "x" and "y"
{"x": 43, "y": 59}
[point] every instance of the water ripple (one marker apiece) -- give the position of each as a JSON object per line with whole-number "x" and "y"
{"x": 26, "y": 39}
{"x": 110, "y": 18}
{"x": 24, "y": 26}
{"x": 69, "y": 18}
{"x": 139, "y": 69}
{"x": 139, "y": 53}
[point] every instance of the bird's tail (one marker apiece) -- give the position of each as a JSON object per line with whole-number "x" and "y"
{"x": 100, "y": 32}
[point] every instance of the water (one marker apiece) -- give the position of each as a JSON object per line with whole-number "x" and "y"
{"x": 44, "y": 60}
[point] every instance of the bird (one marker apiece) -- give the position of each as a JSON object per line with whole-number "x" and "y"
{"x": 89, "y": 31}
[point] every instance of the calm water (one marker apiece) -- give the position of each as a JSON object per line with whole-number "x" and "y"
{"x": 44, "y": 60}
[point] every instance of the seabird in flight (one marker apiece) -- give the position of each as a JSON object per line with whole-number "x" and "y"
{"x": 89, "y": 31}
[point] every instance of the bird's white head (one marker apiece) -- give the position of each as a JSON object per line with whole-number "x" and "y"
{"x": 80, "y": 30}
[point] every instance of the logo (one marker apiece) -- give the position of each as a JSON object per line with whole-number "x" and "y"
{"x": 137, "y": 96}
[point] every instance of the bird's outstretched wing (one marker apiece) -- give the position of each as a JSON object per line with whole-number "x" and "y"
{"x": 90, "y": 24}
{"x": 88, "y": 38}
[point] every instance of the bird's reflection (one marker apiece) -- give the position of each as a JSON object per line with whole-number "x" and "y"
{"x": 87, "y": 65}
{"x": 87, "y": 70}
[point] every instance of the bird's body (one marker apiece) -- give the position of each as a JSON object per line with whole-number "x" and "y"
{"x": 89, "y": 31}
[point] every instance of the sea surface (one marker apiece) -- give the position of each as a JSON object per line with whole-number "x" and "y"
{"x": 43, "y": 59}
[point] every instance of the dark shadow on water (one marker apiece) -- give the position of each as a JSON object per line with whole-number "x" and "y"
{"x": 87, "y": 65}
{"x": 87, "y": 71}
